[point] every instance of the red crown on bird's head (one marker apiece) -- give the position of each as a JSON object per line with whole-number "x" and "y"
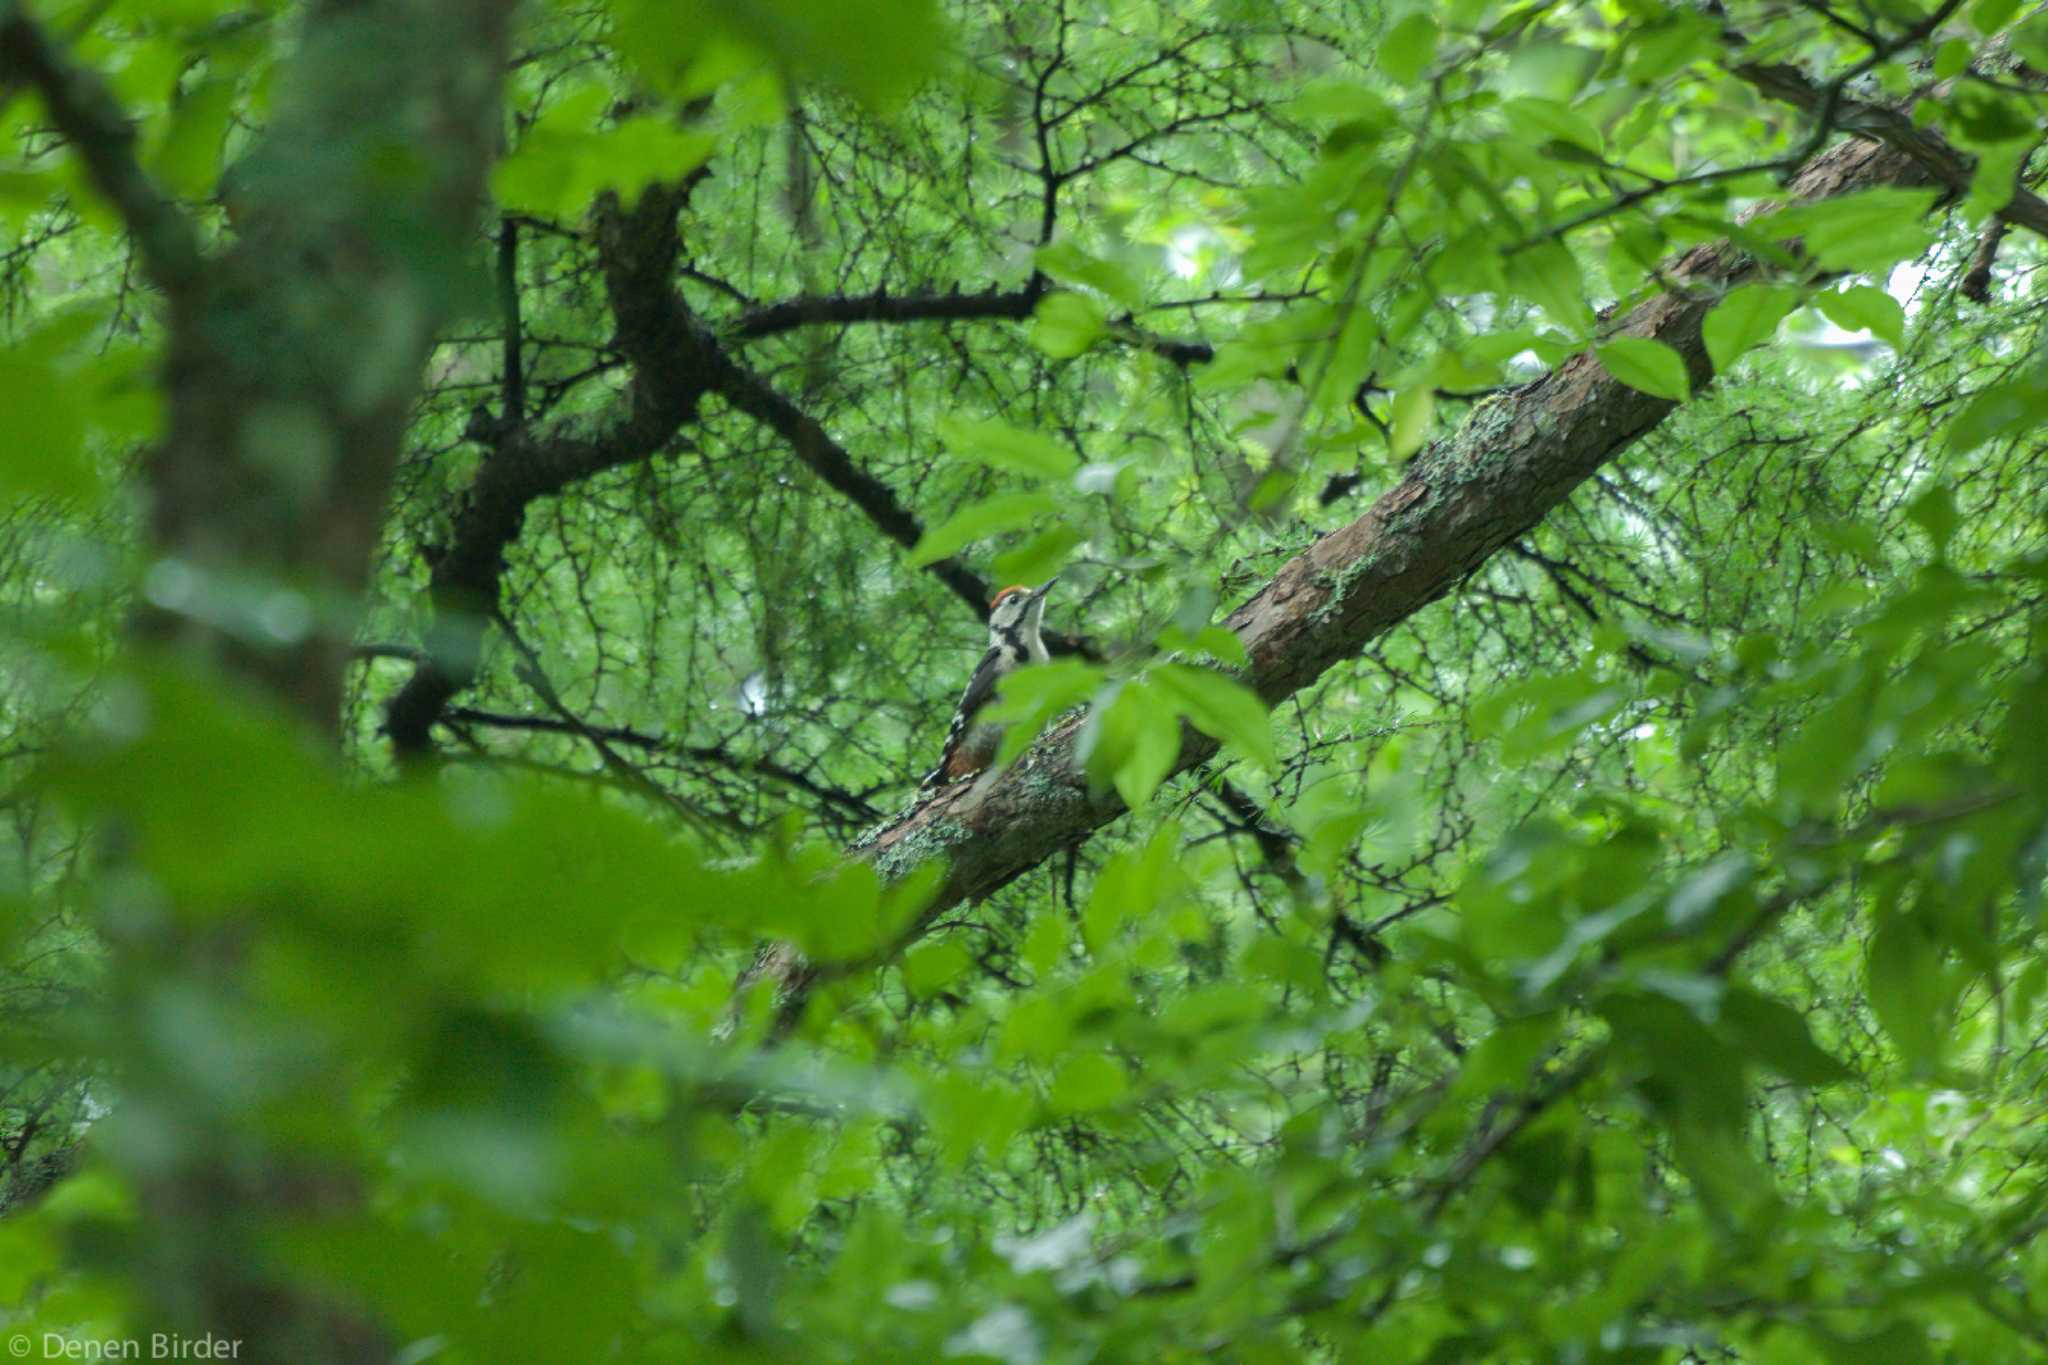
{"x": 1019, "y": 590}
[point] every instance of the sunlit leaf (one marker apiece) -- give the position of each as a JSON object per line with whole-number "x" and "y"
{"x": 1408, "y": 47}
{"x": 1866, "y": 230}
{"x": 1865, "y": 308}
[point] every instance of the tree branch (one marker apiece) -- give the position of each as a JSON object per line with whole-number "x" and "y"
{"x": 676, "y": 361}
{"x": 716, "y": 754}
{"x": 1939, "y": 163}
{"x": 522, "y": 468}
{"x": 638, "y": 250}
{"x": 86, "y": 112}
{"x": 1464, "y": 498}
{"x": 514, "y": 363}
{"x": 832, "y": 462}
{"x": 882, "y": 306}
{"x": 535, "y": 677}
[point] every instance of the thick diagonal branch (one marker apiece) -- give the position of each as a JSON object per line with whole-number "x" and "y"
{"x": 1465, "y": 498}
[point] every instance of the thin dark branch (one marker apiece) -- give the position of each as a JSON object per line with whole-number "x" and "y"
{"x": 524, "y": 464}
{"x": 1621, "y": 203}
{"x": 531, "y": 672}
{"x": 513, "y": 407}
{"x": 1976, "y": 282}
{"x": 1050, "y": 179}
{"x": 662, "y": 744}
{"x": 1152, "y": 135}
{"x": 832, "y": 462}
{"x": 726, "y": 287}
{"x": 883, "y": 306}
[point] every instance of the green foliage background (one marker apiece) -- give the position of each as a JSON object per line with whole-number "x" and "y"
{"x": 1634, "y": 956}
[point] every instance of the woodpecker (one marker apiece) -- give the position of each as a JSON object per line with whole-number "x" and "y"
{"x": 1013, "y": 641}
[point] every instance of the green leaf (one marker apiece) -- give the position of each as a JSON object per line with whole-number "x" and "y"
{"x": 1998, "y": 411}
{"x": 931, "y": 967}
{"x": 1065, "y": 260}
{"x": 1546, "y": 713}
{"x": 1865, "y": 308}
{"x": 1548, "y": 276}
{"x": 1045, "y": 946}
{"x": 876, "y": 50}
{"x": 564, "y": 160}
{"x": 1701, "y": 893}
{"x": 1413, "y": 407}
{"x": 1996, "y": 178}
{"x": 1066, "y": 324}
{"x": 1698, "y": 1079}
{"x": 1647, "y": 366}
{"x": 1536, "y": 1163}
{"x": 1504, "y": 1059}
{"x": 1909, "y": 988}
{"x": 1989, "y": 16}
{"x": 1747, "y": 317}
{"x": 1345, "y": 365}
{"x": 1677, "y": 40}
{"x": 1221, "y": 708}
{"x": 188, "y": 160}
{"x": 1130, "y": 742}
{"x": 1984, "y": 117}
{"x": 1131, "y": 886}
{"x": 48, "y": 403}
{"x": 2030, "y": 40}
{"x": 974, "y": 1111}
{"x": 1775, "y": 1034}
{"x": 1221, "y": 642}
{"x": 1866, "y": 231}
{"x": 1031, "y": 697}
{"x": 281, "y": 829}
{"x": 1037, "y": 1030}
{"x": 1408, "y": 48}
{"x": 1934, "y": 512}
{"x": 1540, "y": 120}
{"x": 1004, "y": 512}
{"x": 1038, "y": 558}
{"x": 1088, "y": 1083}
{"x": 1001, "y": 446}
{"x": 1950, "y": 59}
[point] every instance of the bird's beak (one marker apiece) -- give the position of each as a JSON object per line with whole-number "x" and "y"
{"x": 1039, "y": 596}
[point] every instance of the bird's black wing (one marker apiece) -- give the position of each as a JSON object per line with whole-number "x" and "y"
{"x": 981, "y": 689}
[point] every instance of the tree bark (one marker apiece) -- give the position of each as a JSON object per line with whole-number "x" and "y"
{"x": 295, "y": 355}
{"x": 293, "y": 359}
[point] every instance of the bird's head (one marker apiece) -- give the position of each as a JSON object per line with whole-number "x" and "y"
{"x": 1018, "y": 608}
